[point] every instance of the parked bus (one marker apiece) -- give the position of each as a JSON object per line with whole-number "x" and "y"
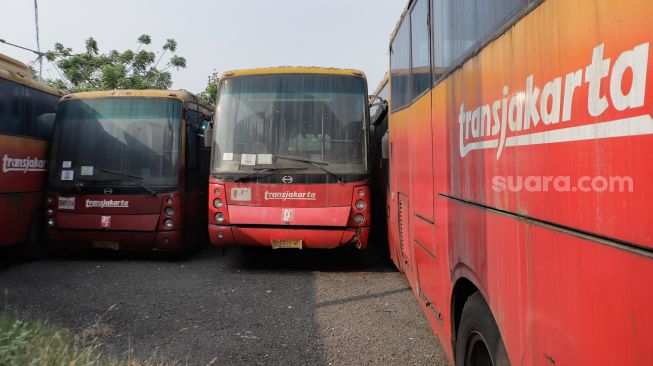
{"x": 26, "y": 120}
{"x": 379, "y": 163}
{"x": 129, "y": 171}
{"x": 520, "y": 180}
{"x": 289, "y": 164}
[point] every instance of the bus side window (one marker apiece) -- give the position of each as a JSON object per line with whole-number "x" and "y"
{"x": 12, "y": 107}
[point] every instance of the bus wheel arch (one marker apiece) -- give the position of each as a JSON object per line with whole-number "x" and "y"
{"x": 477, "y": 340}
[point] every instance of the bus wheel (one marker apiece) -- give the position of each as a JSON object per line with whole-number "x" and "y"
{"x": 478, "y": 342}
{"x": 35, "y": 247}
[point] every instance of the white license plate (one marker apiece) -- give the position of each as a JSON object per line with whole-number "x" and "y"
{"x": 286, "y": 244}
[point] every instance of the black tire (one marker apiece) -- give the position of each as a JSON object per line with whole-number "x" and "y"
{"x": 35, "y": 247}
{"x": 478, "y": 342}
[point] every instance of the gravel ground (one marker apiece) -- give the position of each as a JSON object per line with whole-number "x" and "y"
{"x": 239, "y": 307}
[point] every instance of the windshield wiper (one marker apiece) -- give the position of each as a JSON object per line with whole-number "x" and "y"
{"x": 265, "y": 170}
{"x": 134, "y": 178}
{"x": 318, "y": 164}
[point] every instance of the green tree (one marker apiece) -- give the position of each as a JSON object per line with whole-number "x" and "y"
{"x": 130, "y": 69}
{"x": 210, "y": 94}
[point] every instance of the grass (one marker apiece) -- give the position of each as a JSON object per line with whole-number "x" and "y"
{"x": 35, "y": 343}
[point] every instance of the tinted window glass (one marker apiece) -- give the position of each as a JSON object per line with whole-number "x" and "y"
{"x": 420, "y": 55}
{"x": 40, "y": 108}
{"x": 297, "y": 116}
{"x": 400, "y": 66}
{"x": 459, "y": 25}
{"x": 12, "y": 107}
{"x": 129, "y": 141}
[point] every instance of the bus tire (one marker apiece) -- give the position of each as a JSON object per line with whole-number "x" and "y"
{"x": 35, "y": 247}
{"x": 478, "y": 342}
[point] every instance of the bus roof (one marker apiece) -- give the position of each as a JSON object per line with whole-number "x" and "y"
{"x": 293, "y": 70}
{"x": 16, "y": 71}
{"x": 183, "y": 95}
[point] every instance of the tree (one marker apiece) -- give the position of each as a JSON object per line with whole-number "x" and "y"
{"x": 210, "y": 94}
{"x": 138, "y": 69}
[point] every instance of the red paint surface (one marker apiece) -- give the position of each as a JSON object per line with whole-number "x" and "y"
{"x": 558, "y": 295}
{"x": 21, "y": 192}
{"x": 321, "y": 215}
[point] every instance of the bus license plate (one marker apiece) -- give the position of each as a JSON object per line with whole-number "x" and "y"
{"x": 286, "y": 244}
{"x": 113, "y": 245}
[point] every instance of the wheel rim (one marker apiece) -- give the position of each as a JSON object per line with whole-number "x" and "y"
{"x": 477, "y": 352}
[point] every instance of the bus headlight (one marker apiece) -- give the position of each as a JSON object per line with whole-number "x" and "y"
{"x": 359, "y": 218}
{"x": 51, "y": 222}
{"x": 169, "y": 201}
{"x": 49, "y": 200}
{"x": 219, "y": 217}
{"x": 170, "y": 211}
{"x": 216, "y": 191}
{"x": 217, "y": 203}
{"x": 360, "y": 204}
{"x": 49, "y": 211}
{"x": 361, "y": 192}
{"x": 168, "y": 224}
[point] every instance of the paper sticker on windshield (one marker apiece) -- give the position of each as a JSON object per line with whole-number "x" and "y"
{"x": 86, "y": 170}
{"x": 228, "y": 156}
{"x": 241, "y": 194}
{"x": 67, "y": 174}
{"x": 248, "y": 159}
{"x": 264, "y": 158}
{"x": 66, "y": 203}
{"x": 66, "y": 164}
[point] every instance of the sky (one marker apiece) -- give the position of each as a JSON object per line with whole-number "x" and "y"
{"x": 216, "y": 35}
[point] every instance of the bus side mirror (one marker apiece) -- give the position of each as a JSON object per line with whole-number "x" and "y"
{"x": 206, "y": 130}
{"x": 385, "y": 146}
{"x": 381, "y": 110}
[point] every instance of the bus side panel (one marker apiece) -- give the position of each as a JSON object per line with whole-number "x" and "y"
{"x": 573, "y": 81}
{"x": 22, "y": 179}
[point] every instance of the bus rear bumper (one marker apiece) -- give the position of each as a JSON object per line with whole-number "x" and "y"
{"x": 313, "y": 238}
{"x": 115, "y": 240}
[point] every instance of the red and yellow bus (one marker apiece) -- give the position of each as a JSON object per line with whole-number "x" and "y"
{"x": 26, "y": 120}
{"x": 289, "y": 164}
{"x": 128, "y": 171}
{"x": 520, "y": 196}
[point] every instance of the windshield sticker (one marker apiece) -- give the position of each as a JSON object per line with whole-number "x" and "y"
{"x": 228, "y": 156}
{"x": 241, "y": 194}
{"x": 28, "y": 164}
{"x": 248, "y": 159}
{"x": 86, "y": 170}
{"x": 265, "y": 159}
{"x": 67, "y": 164}
{"x": 67, "y": 174}
{"x": 107, "y": 204}
{"x": 66, "y": 203}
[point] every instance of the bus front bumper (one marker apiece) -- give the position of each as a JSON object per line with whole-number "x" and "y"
{"x": 115, "y": 240}
{"x": 311, "y": 238}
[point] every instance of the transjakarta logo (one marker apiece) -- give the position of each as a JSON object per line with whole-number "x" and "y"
{"x": 534, "y": 116}
{"x": 28, "y": 164}
{"x": 284, "y": 196}
{"x": 107, "y": 204}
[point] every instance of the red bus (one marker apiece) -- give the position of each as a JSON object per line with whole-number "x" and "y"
{"x": 128, "y": 171}
{"x": 520, "y": 182}
{"x": 26, "y": 121}
{"x": 289, "y": 164}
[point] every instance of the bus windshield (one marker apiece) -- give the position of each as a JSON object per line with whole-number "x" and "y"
{"x": 285, "y": 120}
{"x": 131, "y": 141}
